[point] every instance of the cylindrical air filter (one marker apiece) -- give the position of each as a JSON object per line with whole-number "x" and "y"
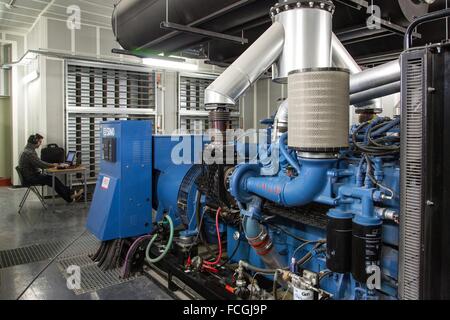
{"x": 307, "y": 35}
{"x": 318, "y": 109}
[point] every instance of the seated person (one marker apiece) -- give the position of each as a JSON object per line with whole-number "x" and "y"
{"x": 31, "y": 167}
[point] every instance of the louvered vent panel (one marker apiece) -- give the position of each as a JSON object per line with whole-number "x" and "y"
{"x": 411, "y": 199}
{"x": 96, "y": 94}
{"x": 193, "y": 115}
{"x": 192, "y": 93}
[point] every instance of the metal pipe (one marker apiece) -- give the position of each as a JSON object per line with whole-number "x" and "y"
{"x": 423, "y": 19}
{"x": 307, "y": 41}
{"x": 375, "y": 77}
{"x": 292, "y": 192}
{"x": 259, "y": 239}
{"x": 238, "y": 77}
{"x": 342, "y": 58}
{"x": 280, "y": 121}
{"x": 377, "y": 92}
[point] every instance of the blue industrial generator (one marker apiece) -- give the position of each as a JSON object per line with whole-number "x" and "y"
{"x": 313, "y": 206}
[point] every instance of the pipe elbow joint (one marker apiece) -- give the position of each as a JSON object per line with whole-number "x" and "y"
{"x": 216, "y": 98}
{"x": 237, "y": 186}
{"x": 290, "y": 192}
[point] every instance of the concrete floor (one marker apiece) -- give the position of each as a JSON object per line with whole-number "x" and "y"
{"x": 36, "y": 225}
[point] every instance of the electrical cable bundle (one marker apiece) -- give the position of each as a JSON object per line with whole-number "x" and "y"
{"x": 209, "y": 264}
{"x": 382, "y": 146}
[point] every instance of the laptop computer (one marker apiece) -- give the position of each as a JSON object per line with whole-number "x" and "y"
{"x": 70, "y": 160}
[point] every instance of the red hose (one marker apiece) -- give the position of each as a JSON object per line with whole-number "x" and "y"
{"x": 219, "y": 256}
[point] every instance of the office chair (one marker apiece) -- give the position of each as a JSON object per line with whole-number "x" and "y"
{"x": 30, "y": 188}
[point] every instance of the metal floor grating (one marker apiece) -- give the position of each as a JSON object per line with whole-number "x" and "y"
{"x": 29, "y": 254}
{"x": 91, "y": 276}
{"x": 87, "y": 244}
{"x": 78, "y": 254}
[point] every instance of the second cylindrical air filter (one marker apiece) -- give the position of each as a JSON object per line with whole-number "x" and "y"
{"x": 318, "y": 109}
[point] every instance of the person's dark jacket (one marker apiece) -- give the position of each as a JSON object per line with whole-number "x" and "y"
{"x": 30, "y": 164}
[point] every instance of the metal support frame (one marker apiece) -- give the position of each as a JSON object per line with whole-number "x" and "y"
{"x": 362, "y": 33}
{"x": 201, "y": 32}
{"x": 195, "y": 23}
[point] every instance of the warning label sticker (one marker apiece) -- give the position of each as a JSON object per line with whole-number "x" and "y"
{"x": 105, "y": 183}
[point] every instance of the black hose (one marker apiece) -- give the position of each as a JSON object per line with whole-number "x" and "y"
{"x": 107, "y": 256}
{"x": 232, "y": 254}
{"x": 200, "y": 226}
{"x": 325, "y": 274}
{"x": 250, "y": 267}
{"x": 99, "y": 252}
{"x": 371, "y": 148}
{"x": 286, "y": 232}
{"x": 386, "y": 147}
{"x": 423, "y": 19}
{"x": 308, "y": 256}
{"x": 102, "y": 258}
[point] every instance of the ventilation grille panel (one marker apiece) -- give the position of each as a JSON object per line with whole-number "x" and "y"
{"x": 412, "y": 166}
{"x": 96, "y": 94}
{"x": 193, "y": 117}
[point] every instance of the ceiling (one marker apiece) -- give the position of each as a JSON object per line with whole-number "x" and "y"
{"x": 137, "y": 27}
{"x": 22, "y": 16}
{"x": 349, "y": 24}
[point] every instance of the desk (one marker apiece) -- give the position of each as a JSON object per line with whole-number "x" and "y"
{"x": 54, "y": 172}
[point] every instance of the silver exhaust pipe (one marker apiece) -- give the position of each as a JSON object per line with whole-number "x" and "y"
{"x": 238, "y": 77}
{"x": 376, "y": 92}
{"x": 375, "y": 77}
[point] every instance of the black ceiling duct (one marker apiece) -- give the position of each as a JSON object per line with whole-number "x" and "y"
{"x": 137, "y": 26}
{"x": 136, "y": 23}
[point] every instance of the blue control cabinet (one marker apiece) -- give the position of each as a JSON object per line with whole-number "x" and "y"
{"x": 122, "y": 203}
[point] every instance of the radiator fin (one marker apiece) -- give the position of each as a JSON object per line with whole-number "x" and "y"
{"x": 411, "y": 199}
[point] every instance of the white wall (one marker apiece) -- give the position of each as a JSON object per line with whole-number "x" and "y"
{"x": 18, "y": 95}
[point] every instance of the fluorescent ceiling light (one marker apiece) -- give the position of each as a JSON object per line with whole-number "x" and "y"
{"x": 166, "y": 64}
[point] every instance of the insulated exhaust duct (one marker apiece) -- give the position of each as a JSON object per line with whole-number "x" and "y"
{"x": 375, "y": 77}
{"x": 343, "y": 59}
{"x": 238, "y": 77}
{"x": 376, "y": 92}
{"x": 308, "y": 29}
{"x": 273, "y": 48}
